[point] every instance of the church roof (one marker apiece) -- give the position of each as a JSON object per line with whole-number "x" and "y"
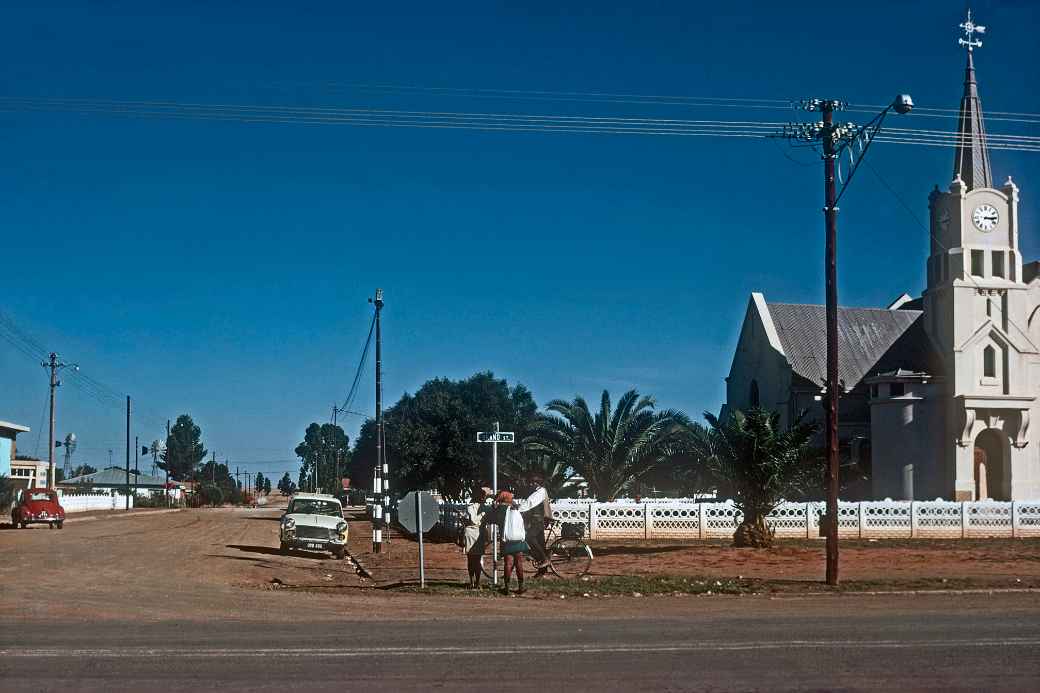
{"x": 114, "y": 476}
{"x": 971, "y": 160}
{"x": 869, "y": 340}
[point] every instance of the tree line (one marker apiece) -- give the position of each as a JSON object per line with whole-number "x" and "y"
{"x": 609, "y": 448}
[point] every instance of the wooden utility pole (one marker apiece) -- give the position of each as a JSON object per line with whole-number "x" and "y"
{"x": 127, "y": 488}
{"x": 380, "y": 485}
{"x": 830, "y": 212}
{"x": 54, "y": 365}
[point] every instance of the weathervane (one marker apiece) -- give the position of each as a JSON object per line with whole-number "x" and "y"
{"x": 970, "y": 29}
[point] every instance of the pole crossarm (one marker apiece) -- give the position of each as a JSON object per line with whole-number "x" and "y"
{"x": 842, "y": 137}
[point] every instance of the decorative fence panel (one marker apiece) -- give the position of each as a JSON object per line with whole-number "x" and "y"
{"x": 687, "y": 519}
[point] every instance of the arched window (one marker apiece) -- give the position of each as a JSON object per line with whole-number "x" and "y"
{"x": 753, "y": 398}
{"x": 989, "y": 362}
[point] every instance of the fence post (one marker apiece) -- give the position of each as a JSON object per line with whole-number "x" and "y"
{"x": 913, "y": 520}
{"x": 592, "y": 521}
{"x": 861, "y": 517}
{"x": 964, "y": 519}
{"x": 702, "y": 520}
{"x": 647, "y": 520}
{"x": 809, "y": 507}
{"x": 1014, "y": 518}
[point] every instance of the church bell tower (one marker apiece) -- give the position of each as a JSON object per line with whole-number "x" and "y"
{"x": 976, "y": 301}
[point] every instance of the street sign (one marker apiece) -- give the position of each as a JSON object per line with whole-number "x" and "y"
{"x": 407, "y": 516}
{"x": 494, "y": 437}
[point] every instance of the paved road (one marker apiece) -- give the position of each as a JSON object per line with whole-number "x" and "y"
{"x": 951, "y": 642}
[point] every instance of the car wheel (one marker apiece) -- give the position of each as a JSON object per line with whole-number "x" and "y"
{"x": 284, "y": 548}
{"x": 25, "y": 525}
{"x": 61, "y": 524}
{"x": 339, "y": 554}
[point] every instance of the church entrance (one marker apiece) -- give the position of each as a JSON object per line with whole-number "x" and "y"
{"x": 991, "y": 468}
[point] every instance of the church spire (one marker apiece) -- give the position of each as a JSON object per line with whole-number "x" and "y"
{"x": 971, "y": 162}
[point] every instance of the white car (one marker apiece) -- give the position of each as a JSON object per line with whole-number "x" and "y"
{"x": 313, "y": 522}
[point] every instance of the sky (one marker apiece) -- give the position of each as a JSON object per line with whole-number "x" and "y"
{"x": 223, "y": 268}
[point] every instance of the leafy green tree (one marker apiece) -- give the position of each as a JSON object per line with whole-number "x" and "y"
{"x": 431, "y": 435}
{"x": 759, "y": 463}
{"x": 6, "y": 495}
{"x": 557, "y": 473}
{"x": 322, "y": 446}
{"x": 286, "y": 485}
{"x": 83, "y": 470}
{"x": 184, "y": 449}
{"x": 218, "y": 474}
{"x": 267, "y": 486}
{"x": 211, "y": 494}
{"x": 613, "y": 447}
{"x": 258, "y": 483}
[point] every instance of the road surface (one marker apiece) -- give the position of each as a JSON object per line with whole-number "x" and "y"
{"x": 183, "y": 602}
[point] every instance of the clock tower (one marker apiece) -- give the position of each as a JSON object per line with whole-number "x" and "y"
{"x": 977, "y": 312}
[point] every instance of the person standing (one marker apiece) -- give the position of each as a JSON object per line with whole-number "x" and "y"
{"x": 506, "y": 515}
{"x": 473, "y": 534}
{"x": 536, "y": 511}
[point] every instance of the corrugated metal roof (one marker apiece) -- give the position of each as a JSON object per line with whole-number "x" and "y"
{"x": 866, "y": 336}
{"x": 115, "y": 476}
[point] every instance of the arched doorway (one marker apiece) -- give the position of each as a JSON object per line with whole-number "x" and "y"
{"x": 991, "y": 467}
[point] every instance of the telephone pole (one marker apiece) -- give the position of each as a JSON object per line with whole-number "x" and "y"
{"x": 127, "y": 452}
{"x": 380, "y": 486}
{"x": 54, "y": 365}
{"x": 835, "y": 139}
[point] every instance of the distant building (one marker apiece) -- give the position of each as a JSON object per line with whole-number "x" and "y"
{"x": 115, "y": 479}
{"x": 937, "y": 392}
{"x": 8, "y": 445}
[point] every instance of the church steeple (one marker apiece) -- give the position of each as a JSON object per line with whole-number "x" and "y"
{"x": 971, "y": 161}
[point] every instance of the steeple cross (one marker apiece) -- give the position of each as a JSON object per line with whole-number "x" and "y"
{"x": 970, "y": 29}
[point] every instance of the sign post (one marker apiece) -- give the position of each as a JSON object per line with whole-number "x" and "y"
{"x": 418, "y": 513}
{"x": 494, "y": 437}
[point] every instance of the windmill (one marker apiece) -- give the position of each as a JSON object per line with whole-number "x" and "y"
{"x": 157, "y": 448}
{"x": 70, "y": 447}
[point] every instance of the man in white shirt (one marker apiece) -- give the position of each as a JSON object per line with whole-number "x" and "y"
{"x": 535, "y": 511}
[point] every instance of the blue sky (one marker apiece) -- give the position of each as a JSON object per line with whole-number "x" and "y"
{"x": 222, "y": 269}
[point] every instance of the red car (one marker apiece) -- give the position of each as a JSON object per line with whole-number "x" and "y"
{"x": 38, "y": 505}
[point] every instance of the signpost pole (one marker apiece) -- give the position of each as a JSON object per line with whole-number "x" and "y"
{"x": 418, "y": 520}
{"x": 494, "y": 527}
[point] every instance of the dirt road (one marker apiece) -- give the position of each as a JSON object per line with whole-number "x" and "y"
{"x": 187, "y": 601}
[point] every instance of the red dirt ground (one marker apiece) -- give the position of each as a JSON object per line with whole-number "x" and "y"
{"x": 962, "y": 562}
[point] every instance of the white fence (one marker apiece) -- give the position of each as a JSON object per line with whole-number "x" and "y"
{"x": 689, "y": 519}
{"x": 81, "y": 502}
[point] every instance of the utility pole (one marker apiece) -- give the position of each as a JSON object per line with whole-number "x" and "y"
{"x": 137, "y": 464}
{"x": 338, "y": 483}
{"x": 830, "y": 213}
{"x": 381, "y": 503}
{"x": 166, "y": 487}
{"x": 835, "y": 139}
{"x": 127, "y": 452}
{"x": 54, "y": 365}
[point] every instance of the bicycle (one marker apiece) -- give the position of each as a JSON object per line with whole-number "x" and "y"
{"x": 569, "y": 556}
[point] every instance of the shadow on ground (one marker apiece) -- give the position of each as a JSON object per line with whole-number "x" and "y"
{"x": 272, "y": 551}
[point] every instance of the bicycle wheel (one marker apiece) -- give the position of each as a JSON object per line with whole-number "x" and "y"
{"x": 570, "y": 558}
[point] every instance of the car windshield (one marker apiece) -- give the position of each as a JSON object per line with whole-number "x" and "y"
{"x": 40, "y": 496}
{"x": 309, "y": 506}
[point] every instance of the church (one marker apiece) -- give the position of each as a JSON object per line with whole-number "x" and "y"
{"x": 938, "y": 391}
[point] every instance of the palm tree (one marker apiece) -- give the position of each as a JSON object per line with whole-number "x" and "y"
{"x": 611, "y": 448}
{"x": 556, "y": 473}
{"x": 759, "y": 463}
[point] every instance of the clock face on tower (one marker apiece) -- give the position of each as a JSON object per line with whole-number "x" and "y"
{"x": 985, "y": 217}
